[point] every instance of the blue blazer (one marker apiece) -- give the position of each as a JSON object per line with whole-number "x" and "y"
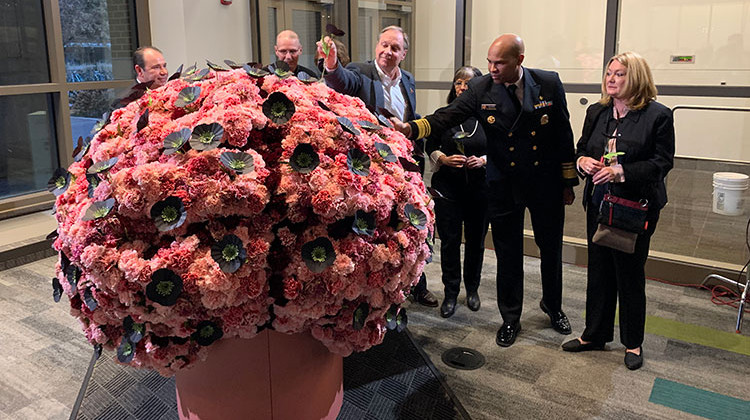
{"x": 362, "y": 80}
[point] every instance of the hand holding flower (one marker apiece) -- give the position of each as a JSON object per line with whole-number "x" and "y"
{"x": 454, "y": 161}
{"x": 604, "y": 175}
{"x": 327, "y": 50}
{"x": 590, "y": 166}
{"x": 473, "y": 162}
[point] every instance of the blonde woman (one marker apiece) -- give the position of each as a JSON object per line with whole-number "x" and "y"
{"x": 637, "y": 135}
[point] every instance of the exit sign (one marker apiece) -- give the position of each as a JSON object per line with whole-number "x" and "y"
{"x": 682, "y": 59}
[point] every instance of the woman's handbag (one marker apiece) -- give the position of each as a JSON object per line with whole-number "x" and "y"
{"x": 620, "y": 222}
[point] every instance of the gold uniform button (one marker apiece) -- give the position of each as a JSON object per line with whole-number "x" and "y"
{"x": 533, "y": 133}
{"x": 513, "y": 164}
{"x": 536, "y": 163}
{"x": 533, "y": 147}
{"x": 510, "y": 134}
{"x": 491, "y": 119}
{"x": 511, "y": 148}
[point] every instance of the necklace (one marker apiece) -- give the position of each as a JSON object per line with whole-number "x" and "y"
{"x": 476, "y": 124}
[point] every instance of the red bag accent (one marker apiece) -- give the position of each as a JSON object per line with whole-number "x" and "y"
{"x": 625, "y": 202}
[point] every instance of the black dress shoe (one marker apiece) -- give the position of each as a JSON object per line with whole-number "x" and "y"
{"x": 633, "y": 361}
{"x": 448, "y": 307}
{"x": 558, "y": 319}
{"x": 426, "y": 298}
{"x": 472, "y": 301}
{"x": 507, "y": 334}
{"x": 576, "y": 346}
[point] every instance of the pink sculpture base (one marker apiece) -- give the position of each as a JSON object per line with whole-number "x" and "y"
{"x": 273, "y": 375}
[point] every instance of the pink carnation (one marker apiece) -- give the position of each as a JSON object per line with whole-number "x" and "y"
{"x": 231, "y": 241}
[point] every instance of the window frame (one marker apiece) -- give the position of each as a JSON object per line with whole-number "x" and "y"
{"x": 59, "y": 88}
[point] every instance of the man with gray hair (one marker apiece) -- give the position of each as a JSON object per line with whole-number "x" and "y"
{"x": 385, "y": 89}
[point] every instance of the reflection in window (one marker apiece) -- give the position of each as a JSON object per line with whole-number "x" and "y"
{"x": 23, "y": 47}
{"x": 308, "y": 26}
{"x": 273, "y": 29}
{"x": 28, "y": 153}
{"x": 86, "y": 108}
{"x": 98, "y": 39}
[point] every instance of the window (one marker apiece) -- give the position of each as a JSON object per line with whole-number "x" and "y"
{"x": 51, "y": 86}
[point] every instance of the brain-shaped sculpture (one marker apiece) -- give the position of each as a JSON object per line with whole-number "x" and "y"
{"x": 227, "y": 202}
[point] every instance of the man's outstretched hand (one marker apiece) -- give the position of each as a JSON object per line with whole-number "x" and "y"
{"x": 402, "y": 127}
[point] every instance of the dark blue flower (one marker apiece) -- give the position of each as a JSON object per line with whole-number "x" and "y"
{"x": 59, "y": 182}
{"x": 229, "y": 253}
{"x": 174, "y": 142}
{"x": 125, "y": 351}
{"x": 188, "y": 95}
{"x": 360, "y": 316}
{"x": 347, "y": 125}
{"x": 206, "y": 136}
{"x": 168, "y": 214}
{"x": 102, "y": 166}
{"x": 358, "y": 162}
{"x": 206, "y": 333}
{"x": 416, "y": 217}
{"x": 238, "y": 162}
{"x": 165, "y": 287}
{"x": 304, "y": 158}
{"x": 364, "y": 223}
{"x": 318, "y": 254}
{"x": 99, "y": 209}
{"x": 278, "y": 108}
{"x": 385, "y": 152}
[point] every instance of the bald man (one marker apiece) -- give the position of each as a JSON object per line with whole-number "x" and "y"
{"x": 529, "y": 166}
{"x": 289, "y": 49}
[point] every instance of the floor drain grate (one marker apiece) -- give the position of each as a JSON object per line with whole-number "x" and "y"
{"x": 463, "y": 358}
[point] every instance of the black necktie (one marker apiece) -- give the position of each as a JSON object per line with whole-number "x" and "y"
{"x": 514, "y": 97}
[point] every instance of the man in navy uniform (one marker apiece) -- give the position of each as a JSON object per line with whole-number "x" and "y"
{"x": 529, "y": 166}
{"x": 386, "y": 89}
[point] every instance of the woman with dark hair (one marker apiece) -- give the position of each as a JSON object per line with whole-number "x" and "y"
{"x": 458, "y": 186}
{"x": 626, "y": 149}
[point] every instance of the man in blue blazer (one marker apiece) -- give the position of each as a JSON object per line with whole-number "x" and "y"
{"x": 385, "y": 89}
{"x": 529, "y": 166}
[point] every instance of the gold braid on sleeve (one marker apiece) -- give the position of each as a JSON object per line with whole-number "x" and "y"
{"x": 568, "y": 170}
{"x": 423, "y": 128}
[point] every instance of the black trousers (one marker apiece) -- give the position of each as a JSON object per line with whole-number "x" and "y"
{"x": 614, "y": 275}
{"x": 547, "y": 220}
{"x": 468, "y": 211}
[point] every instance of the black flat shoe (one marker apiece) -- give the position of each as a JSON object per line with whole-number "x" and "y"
{"x": 558, "y": 319}
{"x": 448, "y": 307}
{"x": 633, "y": 361}
{"x": 576, "y": 346}
{"x": 507, "y": 334}
{"x": 472, "y": 301}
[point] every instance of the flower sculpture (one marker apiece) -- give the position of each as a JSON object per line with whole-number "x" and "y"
{"x": 229, "y": 201}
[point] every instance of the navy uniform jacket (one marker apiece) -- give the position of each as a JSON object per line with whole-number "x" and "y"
{"x": 362, "y": 80}
{"x": 529, "y": 155}
{"x": 646, "y": 136}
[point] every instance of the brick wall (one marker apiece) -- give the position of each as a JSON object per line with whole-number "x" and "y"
{"x": 121, "y": 26}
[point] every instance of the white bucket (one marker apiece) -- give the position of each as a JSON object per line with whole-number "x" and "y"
{"x": 728, "y": 190}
